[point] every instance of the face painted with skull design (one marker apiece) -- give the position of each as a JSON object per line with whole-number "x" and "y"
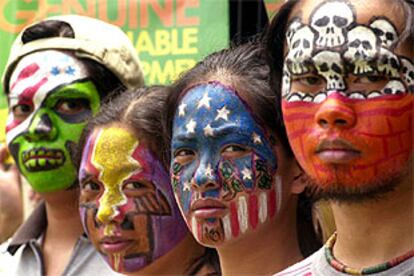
{"x": 223, "y": 167}
{"x": 349, "y": 113}
{"x": 125, "y": 200}
{"x": 51, "y": 98}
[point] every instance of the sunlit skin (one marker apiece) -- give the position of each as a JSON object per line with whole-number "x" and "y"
{"x": 360, "y": 135}
{"x": 223, "y": 166}
{"x": 125, "y": 200}
{"x": 51, "y": 98}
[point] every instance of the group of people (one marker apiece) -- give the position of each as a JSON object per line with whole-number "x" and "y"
{"x": 217, "y": 172}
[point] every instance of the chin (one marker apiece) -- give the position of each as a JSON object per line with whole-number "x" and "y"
{"x": 345, "y": 189}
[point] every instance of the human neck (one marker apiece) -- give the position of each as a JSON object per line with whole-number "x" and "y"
{"x": 265, "y": 251}
{"x": 382, "y": 228}
{"x": 62, "y": 213}
{"x": 175, "y": 262}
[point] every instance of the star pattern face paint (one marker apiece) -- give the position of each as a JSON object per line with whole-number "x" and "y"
{"x": 350, "y": 118}
{"x": 125, "y": 201}
{"x": 51, "y": 98}
{"x": 223, "y": 167}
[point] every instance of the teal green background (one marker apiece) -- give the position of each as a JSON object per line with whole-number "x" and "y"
{"x": 206, "y": 19}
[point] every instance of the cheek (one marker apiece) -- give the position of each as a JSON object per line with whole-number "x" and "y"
{"x": 181, "y": 177}
{"x": 383, "y": 133}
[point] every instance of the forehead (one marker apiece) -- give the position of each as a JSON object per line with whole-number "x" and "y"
{"x": 44, "y": 71}
{"x": 363, "y": 10}
{"x": 213, "y": 104}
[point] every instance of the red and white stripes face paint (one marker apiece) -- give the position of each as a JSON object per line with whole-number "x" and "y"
{"x": 34, "y": 78}
{"x": 246, "y": 212}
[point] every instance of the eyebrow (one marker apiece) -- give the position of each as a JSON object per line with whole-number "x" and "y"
{"x": 185, "y": 137}
{"x": 224, "y": 131}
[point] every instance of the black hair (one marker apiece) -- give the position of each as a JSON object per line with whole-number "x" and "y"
{"x": 104, "y": 79}
{"x": 247, "y": 68}
{"x": 140, "y": 109}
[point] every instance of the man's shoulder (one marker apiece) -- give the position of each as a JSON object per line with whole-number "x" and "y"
{"x": 304, "y": 267}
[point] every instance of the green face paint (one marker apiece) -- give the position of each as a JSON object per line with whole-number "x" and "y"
{"x": 43, "y": 129}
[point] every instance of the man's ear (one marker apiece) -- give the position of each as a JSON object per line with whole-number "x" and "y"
{"x": 299, "y": 182}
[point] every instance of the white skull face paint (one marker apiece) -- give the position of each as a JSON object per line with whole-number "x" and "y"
{"x": 300, "y": 51}
{"x": 385, "y": 31}
{"x": 394, "y": 87}
{"x": 408, "y": 71}
{"x": 330, "y": 21}
{"x": 286, "y": 81}
{"x": 293, "y": 27}
{"x": 335, "y": 54}
{"x": 362, "y": 49}
{"x": 329, "y": 64}
{"x": 388, "y": 63}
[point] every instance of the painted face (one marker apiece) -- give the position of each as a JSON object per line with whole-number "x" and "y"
{"x": 51, "y": 98}
{"x": 223, "y": 166}
{"x": 348, "y": 97}
{"x": 125, "y": 201}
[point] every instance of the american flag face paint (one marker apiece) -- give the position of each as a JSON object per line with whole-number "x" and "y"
{"x": 126, "y": 201}
{"x": 223, "y": 167}
{"x": 51, "y": 98}
{"x": 348, "y": 97}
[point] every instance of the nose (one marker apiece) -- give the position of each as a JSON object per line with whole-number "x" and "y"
{"x": 109, "y": 212}
{"x": 41, "y": 128}
{"x": 205, "y": 178}
{"x": 335, "y": 113}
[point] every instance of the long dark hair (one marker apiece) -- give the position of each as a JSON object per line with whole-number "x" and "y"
{"x": 248, "y": 69}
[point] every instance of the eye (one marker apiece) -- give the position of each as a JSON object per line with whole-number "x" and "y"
{"x": 309, "y": 80}
{"x": 134, "y": 186}
{"x": 184, "y": 152}
{"x": 184, "y": 156}
{"x": 91, "y": 186}
{"x": 370, "y": 79}
{"x": 234, "y": 148}
{"x": 234, "y": 151}
{"x": 71, "y": 106}
{"x": 22, "y": 111}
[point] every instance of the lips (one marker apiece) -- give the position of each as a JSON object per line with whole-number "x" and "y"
{"x": 336, "y": 151}
{"x": 114, "y": 244}
{"x": 208, "y": 208}
{"x": 42, "y": 159}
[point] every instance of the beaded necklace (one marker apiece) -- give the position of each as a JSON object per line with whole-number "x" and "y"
{"x": 364, "y": 271}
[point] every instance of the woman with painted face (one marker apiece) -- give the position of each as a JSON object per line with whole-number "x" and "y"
{"x": 59, "y": 72}
{"x": 232, "y": 171}
{"x": 126, "y": 201}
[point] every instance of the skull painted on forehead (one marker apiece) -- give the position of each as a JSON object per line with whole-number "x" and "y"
{"x": 300, "y": 50}
{"x": 51, "y": 98}
{"x": 385, "y": 31}
{"x": 330, "y": 65}
{"x": 363, "y": 47}
{"x": 408, "y": 71}
{"x": 330, "y": 21}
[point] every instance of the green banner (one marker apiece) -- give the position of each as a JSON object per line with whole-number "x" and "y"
{"x": 170, "y": 36}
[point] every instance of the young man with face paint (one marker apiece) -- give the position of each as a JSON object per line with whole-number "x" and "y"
{"x": 58, "y": 73}
{"x": 348, "y": 107}
{"x": 232, "y": 172}
{"x": 126, "y": 202}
